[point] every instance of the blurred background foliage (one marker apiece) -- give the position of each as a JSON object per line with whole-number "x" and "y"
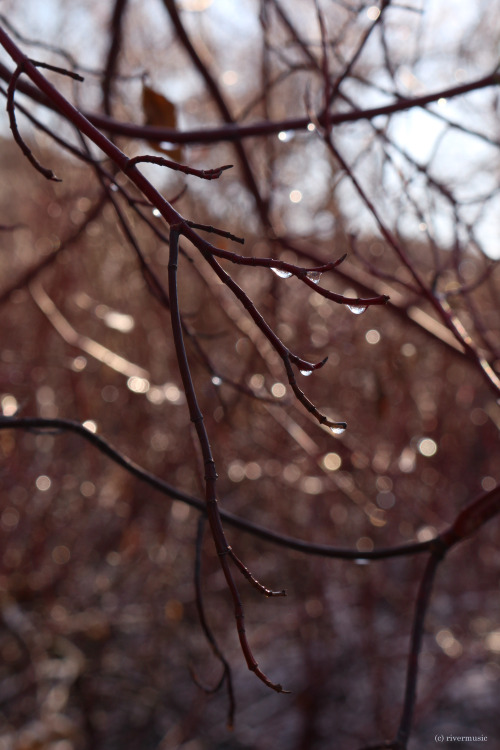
{"x": 99, "y": 627}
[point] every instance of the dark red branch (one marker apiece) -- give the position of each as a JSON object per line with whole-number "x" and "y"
{"x": 306, "y": 275}
{"x": 211, "y": 503}
{"x": 47, "y": 173}
{"x": 204, "y": 174}
{"x": 421, "y": 607}
{"x": 115, "y": 44}
{"x": 216, "y": 650}
{"x": 286, "y": 355}
{"x": 234, "y": 132}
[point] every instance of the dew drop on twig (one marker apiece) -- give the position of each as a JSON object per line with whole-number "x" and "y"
{"x": 216, "y": 380}
{"x": 314, "y": 276}
{"x": 282, "y": 274}
{"x": 156, "y": 212}
{"x": 357, "y": 309}
{"x": 305, "y": 373}
{"x": 338, "y": 429}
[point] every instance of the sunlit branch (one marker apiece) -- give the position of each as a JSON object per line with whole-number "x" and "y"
{"x": 31, "y": 274}
{"x": 448, "y": 319}
{"x": 86, "y": 344}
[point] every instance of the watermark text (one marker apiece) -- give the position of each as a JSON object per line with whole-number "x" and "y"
{"x": 460, "y": 738}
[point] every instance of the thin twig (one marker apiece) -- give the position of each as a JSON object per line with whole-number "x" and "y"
{"x": 248, "y": 575}
{"x": 286, "y": 355}
{"x": 57, "y": 69}
{"x": 421, "y": 606}
{"x": 204, "y": 174}
{"x": 47, "y": 173}
{"x": 308, "y": 276}
{"x": 116, "y": 39}
{"x": 226, "y": 673}
{"x": 213, "y": 230}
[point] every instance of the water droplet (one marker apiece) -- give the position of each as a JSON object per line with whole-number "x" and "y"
{"x": 306, "y": 373}
{"x": 282, "y": 274}
{"x": 113, "y": 187}
{"x": 156, "y": 212}
{"x": 356, "y": 309}
{"x": 286, "y": 135}
{"x": 361, "y": 561}
{"x": 216, "y": 380}
{"x": 339, "y": 428}
{"x": 314, "y": 276}
{"x": 137, "y": 384}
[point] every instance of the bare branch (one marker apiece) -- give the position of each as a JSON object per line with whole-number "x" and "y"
{"x": 57, "y": 426}
{"x": 204, "y": 174}
{"x": 47, "y": 173}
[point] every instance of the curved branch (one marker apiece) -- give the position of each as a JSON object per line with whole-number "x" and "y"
{"x": 47, "y": 173}
{"x": 59, "y": 425}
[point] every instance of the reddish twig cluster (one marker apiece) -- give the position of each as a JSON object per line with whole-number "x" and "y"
{"x": 143, "y": 198}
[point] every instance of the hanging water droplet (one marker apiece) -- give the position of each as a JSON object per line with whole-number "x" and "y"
{"x": 306, "y": 373}
{"x": 216, "y": 380}
{"x": 356, "y": 309}
{"x": 282, "y": 274}
{"x": 156, "y": 212}
{"x": 339, "y": 428}
{"x": 113, "y": 187}
{"x": 314, "y": 276}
